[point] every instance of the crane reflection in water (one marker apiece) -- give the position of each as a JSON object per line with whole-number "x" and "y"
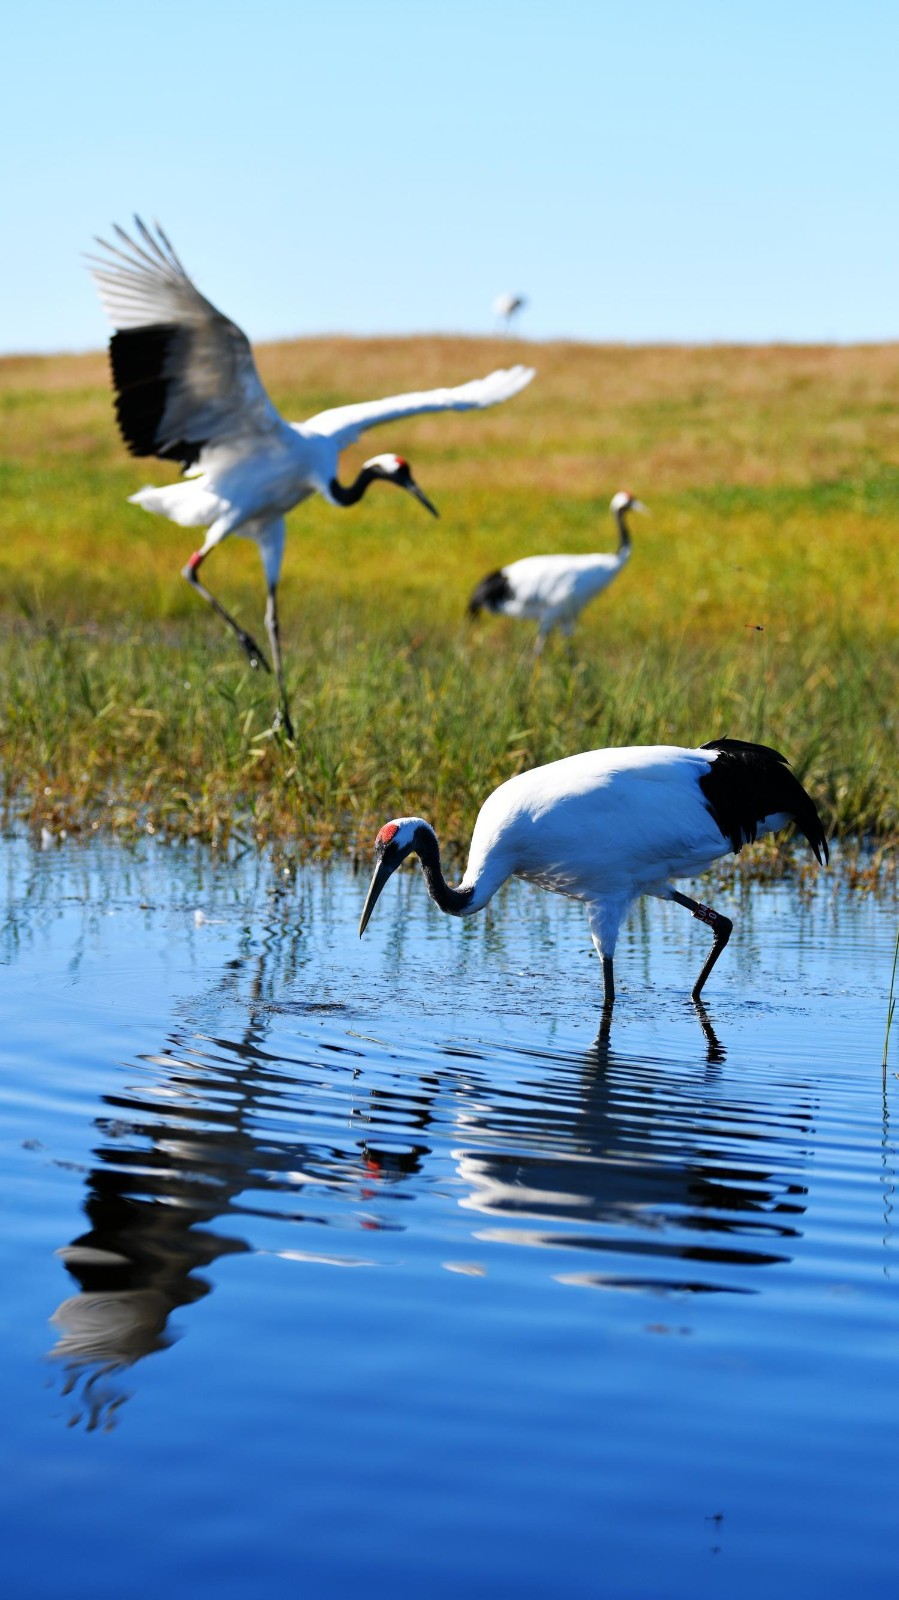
{"x": 177, "y": 1150}
{"x": 624, "y": 1149}
{"x": 662, "y": 1173}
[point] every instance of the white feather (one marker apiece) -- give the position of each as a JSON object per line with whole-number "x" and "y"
{"x": 343, "y": 424}
{"x": 252, "y": 466}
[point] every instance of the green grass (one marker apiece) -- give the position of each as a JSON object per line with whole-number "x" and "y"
{"x": 761, "y": 600}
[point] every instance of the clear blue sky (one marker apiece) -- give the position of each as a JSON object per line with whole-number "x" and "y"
{"x": 647, "y": 169}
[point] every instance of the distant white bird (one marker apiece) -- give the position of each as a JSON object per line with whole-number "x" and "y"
{"x": 187, "y": 390}
{"x": 506, "y": 306}
{"x": 553, "y": 590}
{"x": 610, "y": 825}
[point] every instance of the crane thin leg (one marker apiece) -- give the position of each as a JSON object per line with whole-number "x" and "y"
{"x": 282, "y": 722}
{"x": 256, "y": 657}
{"x": 721, "y": 926}
{"x": 608, "y": 984}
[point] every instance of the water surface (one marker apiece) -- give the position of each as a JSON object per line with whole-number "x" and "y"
{"x": 371, "y": 1264}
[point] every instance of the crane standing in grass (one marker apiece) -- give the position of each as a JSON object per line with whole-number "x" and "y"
{"x": 610, "y": 825}
{"x": 187, "y": 390}
{"x": 553, "y": 590}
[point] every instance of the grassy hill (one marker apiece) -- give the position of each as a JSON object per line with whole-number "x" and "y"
{"x": 761, "y": 600}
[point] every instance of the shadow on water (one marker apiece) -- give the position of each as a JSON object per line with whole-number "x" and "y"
{"x": 660, "y": 1177}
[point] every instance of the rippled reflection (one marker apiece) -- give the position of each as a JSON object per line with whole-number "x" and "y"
{"x": 282, "y": 1113}
{"x": 625, "y": 1160}
{"x": 655, "y": 1176}
{"x": 203, "y": 1126}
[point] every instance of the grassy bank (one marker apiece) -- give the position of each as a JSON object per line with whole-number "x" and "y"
{"x": 761, "y": 600}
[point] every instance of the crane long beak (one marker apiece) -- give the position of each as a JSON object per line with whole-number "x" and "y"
{"x": 384, "y": 870}
{"x": 637, "y": 505}
{"x": 420, "y": 495}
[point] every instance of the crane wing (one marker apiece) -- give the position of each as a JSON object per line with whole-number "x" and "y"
{"x": 184, "y": 374}
{"x": 343, "y": 424}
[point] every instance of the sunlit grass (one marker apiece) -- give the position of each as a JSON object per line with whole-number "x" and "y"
{"x": 761, "y": 601}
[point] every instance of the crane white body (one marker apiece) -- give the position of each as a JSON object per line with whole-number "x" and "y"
{"x": 603, "y": 827}
{"x": 187, "y": 390}
{"x": 507, "y": 305}
{"x": 257, "y": 474}
{"x": 553, "y": 590}
{"x": 607, "y": 826}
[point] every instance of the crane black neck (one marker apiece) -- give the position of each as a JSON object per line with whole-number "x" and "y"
{"x": 453, "y": 901}
{"x": 624, "y": 537}
{"x": 350, "y": 494}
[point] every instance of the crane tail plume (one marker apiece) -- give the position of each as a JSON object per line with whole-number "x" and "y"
{"x": 749, "y": 782}
{"x": 491, "y": 593}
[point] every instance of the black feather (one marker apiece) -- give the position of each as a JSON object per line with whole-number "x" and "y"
{"x": 143, "y": 362}
{"x": 748, "y": 782}
{"x": 491, "y": 593}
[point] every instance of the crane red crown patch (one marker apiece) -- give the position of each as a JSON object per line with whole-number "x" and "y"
{"x": 387, "y": 833}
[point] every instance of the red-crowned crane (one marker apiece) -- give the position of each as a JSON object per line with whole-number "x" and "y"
{"x": 553, "y": 590}
{"x": 187, "y": 390}
{"x": 506, "y": 306}
{"x": 610, "y": 825}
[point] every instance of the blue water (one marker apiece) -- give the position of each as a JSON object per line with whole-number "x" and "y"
{"x": 352, "y": 1267}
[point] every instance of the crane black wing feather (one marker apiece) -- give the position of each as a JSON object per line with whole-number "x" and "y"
{"x": 747, "y": 782}
{"x": 184, "y": 374}
{"x": 491, "y": 593}
{"x": 142, "y": 361}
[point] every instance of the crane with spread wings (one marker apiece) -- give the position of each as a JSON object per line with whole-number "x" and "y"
{"x": 187, "y": 390}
